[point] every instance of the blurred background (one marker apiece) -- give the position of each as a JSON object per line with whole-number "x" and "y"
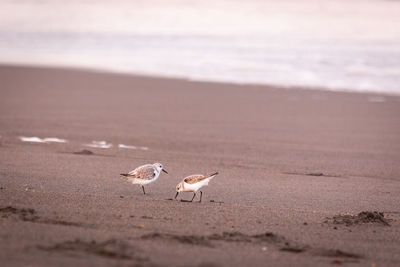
{"x": 331, "y": 44}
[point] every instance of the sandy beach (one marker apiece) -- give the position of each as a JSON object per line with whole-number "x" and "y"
{"x": 289, "y": 161}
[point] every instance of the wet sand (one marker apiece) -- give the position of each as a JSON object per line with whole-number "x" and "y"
{"x": 289, "y": 161}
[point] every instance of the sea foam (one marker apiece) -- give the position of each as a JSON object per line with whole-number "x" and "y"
{"x": 35, "y": 139}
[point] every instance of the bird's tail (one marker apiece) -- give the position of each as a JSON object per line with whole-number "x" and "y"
{"x": 124, "y": 174}
{"x": 212, "y": 174}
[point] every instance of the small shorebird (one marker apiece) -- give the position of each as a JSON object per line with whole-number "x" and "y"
{"x": 193, "y": 183}
{"x": 145, "y": 174}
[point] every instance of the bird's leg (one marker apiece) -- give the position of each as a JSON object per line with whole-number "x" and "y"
{"x": 201, "y": 195}
{"x": 144, "y": 192}
{"x": 194, "y": 194}
{"x": 176, "y": 195}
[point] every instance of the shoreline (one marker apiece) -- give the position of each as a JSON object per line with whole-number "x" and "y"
{"x": 99, "y": 70}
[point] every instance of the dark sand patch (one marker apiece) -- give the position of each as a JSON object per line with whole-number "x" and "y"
{"x": 241, "y": 237}
{"x": 30, "y": 215}
{"x": 294, "y": 249}
{"x": 237, "y": 237}
{"x": 22, "y": 214}
{"x": 215, "y": 201}
{"x": 87, "y": 152}
{"x": 60, "y": 222}
{"x": 317, "y": 174}
{"x": 365, "y": 217}
{"x": 278, "y": 241}
{"x": 225, "y": 237}
{"x": 336, "y": 253}
{"x": 184, "y": 239}
{"x": 84, "y": 152}
{"x": 113, "y": 249}
{"x": 153, "y": 218}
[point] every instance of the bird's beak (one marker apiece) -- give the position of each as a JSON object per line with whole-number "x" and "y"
{"x": 176, "y": 195}
{"x": 165, "y": 171}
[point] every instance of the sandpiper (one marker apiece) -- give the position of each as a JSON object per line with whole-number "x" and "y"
{"x": 193, "y": 183}
{"x": 145, "y": 174}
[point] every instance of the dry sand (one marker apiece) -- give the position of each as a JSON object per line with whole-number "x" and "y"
{"x": 289, "y": 161}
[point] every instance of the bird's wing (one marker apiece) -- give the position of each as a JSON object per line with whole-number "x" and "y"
{"x": 145, "y": 172}
{"x": 195, "y": 178}
{"x": 133, "y": 173}
{"x": 192, "y": 179}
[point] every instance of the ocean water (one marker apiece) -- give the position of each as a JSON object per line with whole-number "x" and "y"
{"x": 332, "y": 44}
